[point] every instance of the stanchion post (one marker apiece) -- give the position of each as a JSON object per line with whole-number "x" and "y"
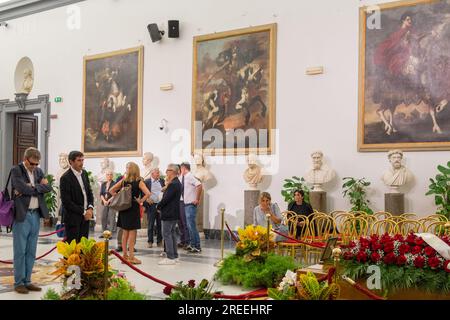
{"x": 222, "y": 239}
{"x": 268, "y": 232}
{"x": 107, "y": 236}
{"x": 337, "y": 257}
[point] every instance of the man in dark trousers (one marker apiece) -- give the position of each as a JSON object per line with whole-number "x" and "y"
{"x": 29, "y": 185}
{"x": 155, "y": 184}
{"x": 169, "y": 206}
{"x": 77, "y": 198}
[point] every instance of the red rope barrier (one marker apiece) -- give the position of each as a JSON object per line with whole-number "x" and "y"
{"x": 368, "y": 293}
{"x": 40, "y": 257}
{"x": 51, "y": 233}
{"x": 232, "y": 235}
{"x": 315, "y": 245}
{"x": 171, "y": 286}
{"x": 328, "y": 276}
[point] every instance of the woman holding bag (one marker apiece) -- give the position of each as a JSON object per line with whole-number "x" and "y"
{"x": 130, "y": 220}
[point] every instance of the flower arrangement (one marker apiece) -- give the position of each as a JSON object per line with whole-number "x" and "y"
{"x": 252, "y": 265}
{"x": 253, "y": 243}
{"x": 190, "y": 291}
{"x": 405, "y": 262}
{"x": 303, "y": 287}
{"x": 88, "y": 255}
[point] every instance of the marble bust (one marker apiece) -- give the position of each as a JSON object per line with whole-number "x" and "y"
{"x": 200, "y": 171}
{"x": 398, "y": 175}
{"x": 27, "y": 83}
{"x": 63, "y": 167}
{"x": 320, "y": 172}
{"x": 147, "y": 161}
{"x": 253, "y": 175}
{"x": 105, "y": 165}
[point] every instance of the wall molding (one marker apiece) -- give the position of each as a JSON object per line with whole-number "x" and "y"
{"x": 20, "y": 8}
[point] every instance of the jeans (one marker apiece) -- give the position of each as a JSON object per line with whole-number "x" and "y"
{"x": 153, "y": 215}
{"x": 25, "y": 238}
{"x": 170, "y": 238}
{"x": 184, "y": 233}
{"x": 191, "y": 221}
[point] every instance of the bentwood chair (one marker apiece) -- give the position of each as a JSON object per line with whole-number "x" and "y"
{"x": 381, "y": 215}
{"x": 404, "y": 227}
{"x": 438, "y": 228}
{"x": 354, "y": 228}
{"x": 381, "y": 227}
{"x": 409, "y": 216}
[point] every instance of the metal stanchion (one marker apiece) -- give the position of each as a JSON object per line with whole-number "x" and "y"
{"x": 107, "y": 236}
{"x": 268, "y": 232}
{"x": 337, "y": 257}
{"x": 220, "y": 262}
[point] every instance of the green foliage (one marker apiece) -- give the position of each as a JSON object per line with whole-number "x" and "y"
{"x": 191, "y": 292}
{"x": 50, "y": 197}
{"x": 255, "y": 273}
{"x": 395, "y": 278}
{"x": 51, "y": 294}
{"x": 440, "y": 188}
{"x": 356, "y": 191}
{"x": 290, "y": 185}
{"x": 288, "y": 293}
{"x": 121, "y": 289}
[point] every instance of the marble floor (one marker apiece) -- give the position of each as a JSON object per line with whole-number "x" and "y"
{"x": 191, "y": 266}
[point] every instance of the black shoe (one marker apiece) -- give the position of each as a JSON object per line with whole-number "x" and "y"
{"x": 181, "y": 245}
{"x": 135, "y": 250}
{"x": 119, "y": 249}
{"x": 195, "y": 250}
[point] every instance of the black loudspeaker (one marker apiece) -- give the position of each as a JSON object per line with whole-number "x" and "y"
{"x": 174, "y": 28}
{"x": 155, "y": 34}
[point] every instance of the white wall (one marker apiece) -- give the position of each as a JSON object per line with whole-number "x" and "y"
{"x": 312, "y": 112}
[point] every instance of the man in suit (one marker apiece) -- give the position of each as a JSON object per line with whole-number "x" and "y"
{"x": 77, "y": 198}
{"x": 29, "y": 185}
{"x": 169, "y": 206}
{"x": 108, "y": 214}
{"x": 155, "y": 183}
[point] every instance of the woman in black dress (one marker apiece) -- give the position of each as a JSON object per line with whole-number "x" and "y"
{"x": 130, "y": 219}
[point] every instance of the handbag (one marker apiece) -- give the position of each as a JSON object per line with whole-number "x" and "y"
{"x": 121, "y": 200}
{"x": 6, "y": 207}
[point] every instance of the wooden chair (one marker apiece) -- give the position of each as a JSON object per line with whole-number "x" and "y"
{"x": 409, "y": 216}
{"x": 320, "y": 229}
{"x": 381, "y": 215}
{"x": 438, "y": 217}
{"x": 438, "y": 228}
{"x": 404, "y": 227}
{"x": 354, "y": 228}
{"x": 339, "y": 220}
{"x": 397, "y": 218}
{"x": 381, "y": 227}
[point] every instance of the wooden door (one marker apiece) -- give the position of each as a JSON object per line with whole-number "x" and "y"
{"x": 25, "y": 134}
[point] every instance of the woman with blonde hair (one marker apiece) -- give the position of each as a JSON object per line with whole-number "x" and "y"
{"x": 268, "y": 210}
{"x": 130, "y": 219}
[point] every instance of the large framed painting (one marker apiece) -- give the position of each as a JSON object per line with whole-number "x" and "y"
{"x": 112, "y": 104}
{"x": 404, "y": 79}
{"x": 233, "y": 99}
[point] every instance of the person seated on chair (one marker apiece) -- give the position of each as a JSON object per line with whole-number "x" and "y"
{"x": 265, "y": 210}
{"x": 299, "y": 206}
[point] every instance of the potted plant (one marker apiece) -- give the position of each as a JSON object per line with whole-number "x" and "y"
{"x": 356, "y": 190}
{"x": 440, "y": 188}
{"x": 50, "y": 201}
{"x": 293, "y": 184}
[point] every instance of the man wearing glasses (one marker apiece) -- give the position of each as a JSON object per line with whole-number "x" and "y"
{"x": 29, "y": 185}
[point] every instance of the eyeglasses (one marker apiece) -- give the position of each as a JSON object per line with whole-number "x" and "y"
{"x": 169, "y": 170}
{"x": 33, "y": 163}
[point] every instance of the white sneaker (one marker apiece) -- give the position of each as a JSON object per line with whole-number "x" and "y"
{"x": 163, "y": 254}
{"x": 167, "y": 262}
{"x": 177, "y": 260}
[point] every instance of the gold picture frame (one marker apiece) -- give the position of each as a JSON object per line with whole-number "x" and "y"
{"x": 402, "y": 92}
{"x": 112, "y": 103}
{"x": 233, "y": 91}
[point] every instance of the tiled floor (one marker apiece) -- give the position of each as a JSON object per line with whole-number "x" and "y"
{"x": 192, "y": 266}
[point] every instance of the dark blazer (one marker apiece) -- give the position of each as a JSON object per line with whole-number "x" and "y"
{"x": 72, "y": 197}
{"x": 307, "y": 206}
{"x": 19, "y": 180}
{"x": 103, "y": 191}
{"x": 148, "y": 183}
{"x": 170, "y": 202}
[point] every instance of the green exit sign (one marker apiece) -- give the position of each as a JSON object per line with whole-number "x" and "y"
{"x": 58, "y": 99}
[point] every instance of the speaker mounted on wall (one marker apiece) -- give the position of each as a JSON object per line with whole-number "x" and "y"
{"x": 155, "y": 33}
{"x": 174, "y": 28}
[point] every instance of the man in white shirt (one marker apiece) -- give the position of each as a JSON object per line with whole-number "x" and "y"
{"x": 155, "y": 183}
{"x": 191, "y": 192}
{"x": 77, "y": 198}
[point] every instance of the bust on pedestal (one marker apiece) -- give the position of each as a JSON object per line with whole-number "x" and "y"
{"x": 203, "y": 175}
{"x": 63, "y": 167}
{"x": 147, "y": 161}
{"x": 395, "y": 177}
{"x": 252, "y": 176}
{"x": 317, "y": 176}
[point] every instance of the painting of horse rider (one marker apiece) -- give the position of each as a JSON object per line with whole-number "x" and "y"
{"x": 234, "y": 91}
{"x": 405, "y": 76}
{"x": 112, "y": 109}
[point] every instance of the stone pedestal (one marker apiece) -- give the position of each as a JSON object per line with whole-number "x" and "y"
{"x": 251, "y": 200}
{"x": 318, "y": 200}
{"x": 394, "y": 203}
{"x": 200, "y": 214}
